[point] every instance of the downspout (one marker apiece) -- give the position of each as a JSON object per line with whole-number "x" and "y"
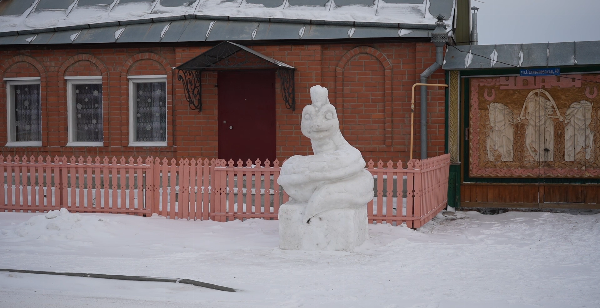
{"x": 439, "y": 37}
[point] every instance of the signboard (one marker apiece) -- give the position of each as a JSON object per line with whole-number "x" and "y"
{"x": 541, "y": 72}
{"x": 534, "y": 127}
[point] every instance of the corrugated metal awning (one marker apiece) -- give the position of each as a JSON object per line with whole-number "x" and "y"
{"x": 216, "y": 59}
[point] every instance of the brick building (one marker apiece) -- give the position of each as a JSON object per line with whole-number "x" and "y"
{"x": 101, "y": 77}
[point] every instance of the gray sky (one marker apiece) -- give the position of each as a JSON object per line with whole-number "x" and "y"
{"x": 537, "y": 21}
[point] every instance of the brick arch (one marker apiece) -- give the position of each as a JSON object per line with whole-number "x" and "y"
{"x": 387, "y": 67}
{"x": 146, "y": 56}
{"x": 83, "y": 57}
{"x": 366, "y": 50}
{"x": 170, "y": 90}
{"x": 4, "y": 67}
{"x": 61, "y": 83}
{"x": 22, "y": 58}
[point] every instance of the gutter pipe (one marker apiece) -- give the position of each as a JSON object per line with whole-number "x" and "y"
{"x": 439, "y": 37}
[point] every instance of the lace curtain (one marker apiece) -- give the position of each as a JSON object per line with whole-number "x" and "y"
{"x": 88, "y": 113}
{"x": 28, "y": 116}
{"x": 151, "y": 111}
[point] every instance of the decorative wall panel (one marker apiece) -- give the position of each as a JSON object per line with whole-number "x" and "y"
{"x": 544, "y": 127}
{"x": 453, "y": 117}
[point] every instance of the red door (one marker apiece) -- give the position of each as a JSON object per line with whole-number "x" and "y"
{"x": 246, "y": 115}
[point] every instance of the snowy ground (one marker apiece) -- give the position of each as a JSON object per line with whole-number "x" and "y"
{"x": 470, "y": 260}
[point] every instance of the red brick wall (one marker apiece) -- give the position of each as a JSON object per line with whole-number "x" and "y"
{"x": 369, "y": 85}
{"x": 83, "y": 68}
{"x": 363, "y": 97}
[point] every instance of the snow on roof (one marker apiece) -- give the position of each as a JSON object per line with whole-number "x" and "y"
{"x": 19, "y": 15}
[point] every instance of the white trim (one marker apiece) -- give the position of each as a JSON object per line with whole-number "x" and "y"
{"x": 10, "y": 106}
{"x": 148, "y": 77}
{"x": 70, "y": 112}
{"x": 148, "y": 144}
{"x": 132, "y": 98}
{"x": 23, "y": 144}
{"x": 83, "y": 77}
{"x": 85, "y": 144}
{"x": 23, "y": 79}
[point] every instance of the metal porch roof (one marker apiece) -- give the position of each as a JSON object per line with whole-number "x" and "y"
{"x": 209, "y": 60}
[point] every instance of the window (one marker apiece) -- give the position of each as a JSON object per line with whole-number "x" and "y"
{"x": 84, "y": 101}
{"x": 148, "y": 111}
{"x": 24, "y": 111}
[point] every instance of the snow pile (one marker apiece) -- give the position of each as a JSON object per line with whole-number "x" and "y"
{"x": 60, "y": 225}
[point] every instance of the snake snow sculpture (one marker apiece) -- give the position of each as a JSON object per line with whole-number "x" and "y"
{"x": 329, "y": 190}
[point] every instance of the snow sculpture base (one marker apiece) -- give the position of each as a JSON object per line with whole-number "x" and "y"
{"x": 339, "y": 229}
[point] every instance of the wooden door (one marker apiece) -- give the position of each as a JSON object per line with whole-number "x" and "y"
{"x": 246, "y": 115}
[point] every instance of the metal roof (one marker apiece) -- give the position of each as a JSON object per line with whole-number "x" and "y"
{"x": 469, "y": 57}
{"x": 18, "y": 17}
{"x": 15, "y": 8}
{"x": 213, "y": 29}
{"x": 53, "y": 5}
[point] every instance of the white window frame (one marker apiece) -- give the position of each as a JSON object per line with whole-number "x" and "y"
{"x": 10, "y": 106}
{"x": 71, "y": 81}
{"x": 132, "y": 109}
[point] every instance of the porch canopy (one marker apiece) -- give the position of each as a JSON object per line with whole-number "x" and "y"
{"x": 232, "y": 56}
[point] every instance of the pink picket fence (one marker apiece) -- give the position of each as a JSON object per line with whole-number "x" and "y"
{"x": 411, "y": 194}
{"x": 78, "y": 184}
{"x": 204, "y": 189}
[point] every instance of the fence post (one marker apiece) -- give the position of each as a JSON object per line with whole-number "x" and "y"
{"x": 148, "y": 191}
{"x": 230, "y": 175}
{"x": 267, "y": 188}
{"x": 372, "y": 170}
{"x": 18, "y": 186}
{"x": 2, "y": 199}
{"x": 172, "y": 172}
{"x": 184, "y": 186}
{"x": 249, "y": 207}
{"x": 156, "y": 181}
{"x": 389, "y": 198}
{"x": 98, "y": 184}
{"x": 219, "y": 192}
{"x": 215, "y": 200}
{"x": 64, "y": 183}
{"x": 257, "y": 175}
{"x": 418, "y": 210}
{"x": 276, "y": 199}
{"x": 207, "y": 188}
{"x": 9, "y": 182}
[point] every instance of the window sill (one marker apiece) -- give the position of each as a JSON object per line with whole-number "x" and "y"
{"x": 148, "y": 144}
{"x": 24, "y": 144}
{"x": 85, "y": 144}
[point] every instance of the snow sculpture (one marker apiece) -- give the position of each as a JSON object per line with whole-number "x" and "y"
{"x": 577, "y": 130}
{"x": 501, "y": 134}
{"x": 539, "y": 133}
{"x": 329, "y": 190}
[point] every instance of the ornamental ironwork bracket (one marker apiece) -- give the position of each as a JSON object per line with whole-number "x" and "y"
{"x": 192, "y": 85}
{"x": 288, "y": 89}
